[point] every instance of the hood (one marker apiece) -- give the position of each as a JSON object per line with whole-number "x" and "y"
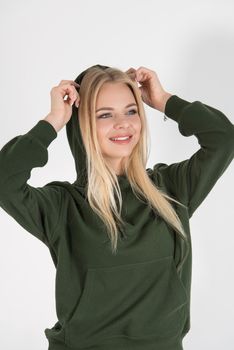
{"x": 79, "y": 154}
{"x": 76, "y": 142}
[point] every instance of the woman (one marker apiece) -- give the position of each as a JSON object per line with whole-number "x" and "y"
{"x": 119, "y": 236}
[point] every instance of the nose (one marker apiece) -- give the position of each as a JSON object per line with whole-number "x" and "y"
{"x": 121, "y": 120}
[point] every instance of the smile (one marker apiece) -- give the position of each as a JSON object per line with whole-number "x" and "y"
{"x": 122, "y": 142}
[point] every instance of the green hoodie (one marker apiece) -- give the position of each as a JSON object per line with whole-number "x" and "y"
{"x": 139, "y": 298}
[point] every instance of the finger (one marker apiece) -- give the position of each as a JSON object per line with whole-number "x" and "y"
{"x": 144, "y": 69}
{"x": 75, "y": 98}
{"x": 132, "y": 74}
{"x": 130, "y": 70}
{"x": 69, "y": 91}
{"x": 77, "y": 103}
{"x": 144, "y": 72}
{"x": 75, "y": 83}
{"x": 66, "y": 81}
{"x": 69, "y": 88}
{"x": 62, "y": 82}
{"x": 143, "y": 75}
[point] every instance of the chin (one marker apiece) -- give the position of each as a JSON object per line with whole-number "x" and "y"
{"x": 117, "y": 155}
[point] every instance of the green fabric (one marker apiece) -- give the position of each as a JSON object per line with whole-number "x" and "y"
{"x": 140, "y": 297}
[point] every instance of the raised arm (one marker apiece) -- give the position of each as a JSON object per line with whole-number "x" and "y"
{"x": 192, "y": 179}
{"x": 35, "y": 209}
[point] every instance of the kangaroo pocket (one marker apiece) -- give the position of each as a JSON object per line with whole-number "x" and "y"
{"x": 135, "y": 301}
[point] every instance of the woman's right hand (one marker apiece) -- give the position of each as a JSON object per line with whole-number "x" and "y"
{"x": 61, "y": 110}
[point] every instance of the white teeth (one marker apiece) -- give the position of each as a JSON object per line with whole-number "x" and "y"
{"x": 121, "y": 138}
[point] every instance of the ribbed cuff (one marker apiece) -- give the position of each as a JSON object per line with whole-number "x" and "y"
{"x": 44, "y": 132}
{"x": 174, "y": 107}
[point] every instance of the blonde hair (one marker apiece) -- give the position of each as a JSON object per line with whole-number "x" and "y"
{"x": 103, "y": 186}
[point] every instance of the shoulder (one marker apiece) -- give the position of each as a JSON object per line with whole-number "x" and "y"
{"x": 158, "y": 174}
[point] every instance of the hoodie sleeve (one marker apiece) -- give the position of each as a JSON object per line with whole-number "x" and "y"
{"x": 36, "y": 209}
{"x": 192, "y": 179}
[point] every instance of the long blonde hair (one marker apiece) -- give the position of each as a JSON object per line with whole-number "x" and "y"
{"x": 103, "y": 187}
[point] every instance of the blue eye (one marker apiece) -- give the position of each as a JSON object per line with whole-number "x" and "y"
{"x": 133, "y": 110}
{"x": 101, "y": 116}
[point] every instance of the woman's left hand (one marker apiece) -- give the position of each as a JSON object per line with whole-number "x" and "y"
{"x": 152, "y": 92}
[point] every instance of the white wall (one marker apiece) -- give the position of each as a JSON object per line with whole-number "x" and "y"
{"x": 190, "y": 46}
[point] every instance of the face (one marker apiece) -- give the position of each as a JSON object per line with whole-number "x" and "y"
{"x": 115, "y": 118}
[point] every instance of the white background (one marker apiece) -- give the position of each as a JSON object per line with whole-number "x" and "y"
{"x": 190, "y": 44}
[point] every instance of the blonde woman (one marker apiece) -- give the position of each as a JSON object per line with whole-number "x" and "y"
{"x": 119, "y": 236}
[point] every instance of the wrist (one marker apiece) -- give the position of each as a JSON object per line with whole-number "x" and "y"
{"x": 163, "y": 100}
{"x": 54, "y": 122}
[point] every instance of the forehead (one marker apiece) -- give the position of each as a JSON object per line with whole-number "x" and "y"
{"x": 114, "y": 94}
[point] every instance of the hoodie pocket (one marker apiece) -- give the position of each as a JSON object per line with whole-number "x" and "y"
{"x": 135, "y": 301}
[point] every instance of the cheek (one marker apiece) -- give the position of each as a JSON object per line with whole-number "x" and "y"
{"x": 102, "y": 132}
{"x": 137, "y": 126}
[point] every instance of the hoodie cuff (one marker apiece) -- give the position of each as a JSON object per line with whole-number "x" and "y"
{"x": 44, "y": 132}
{"x": 174, "y": 107}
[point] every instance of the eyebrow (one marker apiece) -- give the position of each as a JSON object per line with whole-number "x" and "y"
{"x": 110, "y": 109}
